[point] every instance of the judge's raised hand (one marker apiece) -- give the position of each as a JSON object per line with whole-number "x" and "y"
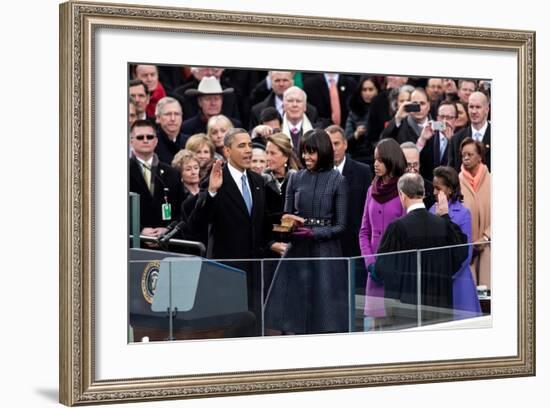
{"x": 442, "y": 205}
{"x": 216, "y": 177}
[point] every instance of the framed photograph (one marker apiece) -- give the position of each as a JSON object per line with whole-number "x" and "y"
{"x": 100, "y": 362}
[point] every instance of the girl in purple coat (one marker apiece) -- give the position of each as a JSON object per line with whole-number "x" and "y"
{"x": 465, "y": 300}
{"x": 381, "y": 208}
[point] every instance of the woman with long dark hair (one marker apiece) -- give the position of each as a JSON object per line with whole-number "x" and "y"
{"x": 462, "y": 118}
{"x": 359, "y": 104}
{"x": 310, "y": 296}
{"x": 382, "y": 206}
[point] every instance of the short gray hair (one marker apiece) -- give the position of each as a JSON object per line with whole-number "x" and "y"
{"x": 293, "y": 89}
{"x": 409, "y": 145}
{"x": 332, "y": 129}
{"x": 163, "y": 102}
{"x": 230, "y": 135}
{"x": 412, "y": 185}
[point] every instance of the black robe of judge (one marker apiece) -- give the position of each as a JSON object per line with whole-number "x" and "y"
{"x": 421, "y": 230}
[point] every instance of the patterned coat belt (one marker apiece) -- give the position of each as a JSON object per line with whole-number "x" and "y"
{"x": 321, "y": 222}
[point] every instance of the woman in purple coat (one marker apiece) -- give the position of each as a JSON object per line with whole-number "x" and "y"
{"x": 465, "y": 300}
{"x": 381, "y": 208}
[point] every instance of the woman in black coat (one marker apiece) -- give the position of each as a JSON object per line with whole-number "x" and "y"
{"x": 359, "y": 105}
{"x": 308, "y": 295}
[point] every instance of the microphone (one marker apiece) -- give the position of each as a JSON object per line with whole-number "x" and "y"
{"x": 174, "y": 227}
{"x": 171, "y": 226}
{"x": 171, "y": 232}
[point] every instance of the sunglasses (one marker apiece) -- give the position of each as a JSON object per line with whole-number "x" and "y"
{"x": 141, "y": 137}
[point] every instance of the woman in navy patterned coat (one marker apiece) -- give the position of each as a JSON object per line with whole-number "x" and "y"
{"x": 311, "y": 296}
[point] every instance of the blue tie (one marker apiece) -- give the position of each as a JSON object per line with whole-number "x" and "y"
{"x": 442, "y": 146}
{"x": 246, "y": 194}
{"x": 440, "y": 143}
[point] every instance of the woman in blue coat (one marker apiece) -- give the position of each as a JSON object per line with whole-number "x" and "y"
{"x": 308, "y": 295}
{"x": 465, "y": 300}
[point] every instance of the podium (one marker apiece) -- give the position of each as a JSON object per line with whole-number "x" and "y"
{"x": 176, "y": 296}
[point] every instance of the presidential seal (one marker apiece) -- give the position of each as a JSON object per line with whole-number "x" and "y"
{"x": 149, "y": 278}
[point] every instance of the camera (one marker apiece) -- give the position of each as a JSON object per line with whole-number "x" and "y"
{"x": 436, "y": 125}
{"x": 412, "y": 107}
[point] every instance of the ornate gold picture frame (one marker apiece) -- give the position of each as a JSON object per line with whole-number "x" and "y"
{"x": 80, "y": 164}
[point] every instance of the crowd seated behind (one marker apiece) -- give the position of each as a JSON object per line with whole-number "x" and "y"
{"x": 380, "y": 128}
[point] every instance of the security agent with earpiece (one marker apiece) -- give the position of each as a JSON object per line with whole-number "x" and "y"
{"x": 158, "y": 185}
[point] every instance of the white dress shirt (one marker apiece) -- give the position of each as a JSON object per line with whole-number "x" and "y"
{"x": 480, "y": 131}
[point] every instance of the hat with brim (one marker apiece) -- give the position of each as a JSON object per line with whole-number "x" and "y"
{"x": 208, "y": 86}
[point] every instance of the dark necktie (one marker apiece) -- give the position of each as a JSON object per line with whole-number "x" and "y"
{"x": 294, "y": 134}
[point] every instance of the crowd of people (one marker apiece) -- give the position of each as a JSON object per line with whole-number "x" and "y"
{"x": 362, "y": 164}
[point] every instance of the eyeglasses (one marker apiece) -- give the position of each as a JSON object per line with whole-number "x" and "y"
{"x": 141, "y": 137}
{"x": 413, "y": 165}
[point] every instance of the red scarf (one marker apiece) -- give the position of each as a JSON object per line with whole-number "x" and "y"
{"x": 383, "y": 193}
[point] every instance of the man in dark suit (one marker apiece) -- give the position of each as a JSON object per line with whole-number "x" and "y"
{"x": 234, "y": 211}
{"x": 419, "y": 230}
{"x": 236, "y": 231}
{"x": 407, "y": 126}
{"x": 140, "y": 94}
{"x": 414, "y": 164}
{"x": 479, "y": 130}
{"x": 189, "y": 105}
{"x": 280, "y": 82}
{"x": 209, "y": 96}
{"x": 158, "y": 185}
{"x": 170, "y": 137}
{"x": 318, "y": 90}
{"x": 296, "y": 122}
{"x": 436, "y": 94}
{"x": 434, "y": 142}
{"x": 358, "y": 177}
